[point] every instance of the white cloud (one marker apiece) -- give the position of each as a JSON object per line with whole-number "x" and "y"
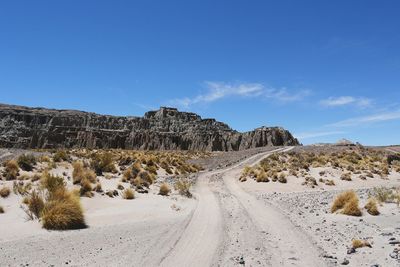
{"x": 346, "y": 100}
{"x": 388, "y": 116}
{"x": 309, "y": 135}
{"x": 284, "y": 95}
{"x": 220, "y": 90}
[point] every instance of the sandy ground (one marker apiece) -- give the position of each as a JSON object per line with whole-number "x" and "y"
{"x": 227, "y": 223}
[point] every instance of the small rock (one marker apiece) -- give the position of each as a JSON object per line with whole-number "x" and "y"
{"x": 351, "y": 251}
{"x": 241, "y": 260}
{"x": 345, "y": 262}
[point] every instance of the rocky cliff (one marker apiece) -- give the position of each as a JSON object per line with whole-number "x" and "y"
{"x": 164, "y": 129}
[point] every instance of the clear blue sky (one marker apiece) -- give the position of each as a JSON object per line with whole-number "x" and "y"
{"x": 322, "y": 69}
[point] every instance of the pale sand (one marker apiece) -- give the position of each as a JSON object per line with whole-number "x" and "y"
{"x": 226, "y": 223}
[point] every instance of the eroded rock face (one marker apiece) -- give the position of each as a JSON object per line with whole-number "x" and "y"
{"x": 164, "y": 129}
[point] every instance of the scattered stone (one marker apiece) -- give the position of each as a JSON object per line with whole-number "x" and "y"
{"x": 345, "y": 262}
{"x": 351, "y": 251}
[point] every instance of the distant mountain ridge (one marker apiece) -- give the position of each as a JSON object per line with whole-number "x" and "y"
{"x": 163, "y": 129}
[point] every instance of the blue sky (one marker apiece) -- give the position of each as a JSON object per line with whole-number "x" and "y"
{"x": 322, "y": 69}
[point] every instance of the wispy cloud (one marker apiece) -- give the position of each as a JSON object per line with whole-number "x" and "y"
{"x": 309, "y": 135}
{"x": 346, "y": 100}
{"x": 375, "y": 118}
{"x": 219, "y": 90}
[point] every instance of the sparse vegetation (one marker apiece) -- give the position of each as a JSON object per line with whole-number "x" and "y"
{"x": 347, "y": 202}
{"x": 128, "y": 194}
{"x": 164, "y": 189}
{"x": 372, "y": 207}
{"x": 103, "y": 162}
{"x": 11, "y": 170}
{"x": 60, "y": 155}
{"x": 35, "y": 205}
{"x": 26, "y": 162}
{"x": 1, "y": 209}
{"x": 183, "y": 187}
{"x": 4, "y": 192}
{"x": 357, "y": 243}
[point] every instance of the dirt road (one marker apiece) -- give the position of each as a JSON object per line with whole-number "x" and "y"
{"x": 226, "y": 227}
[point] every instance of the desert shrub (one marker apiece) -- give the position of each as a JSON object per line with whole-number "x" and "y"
{"x": 282, "y": 178}
{"x": 146, "y": 178}
{"x": 98, "y": 188}
{"x": 11, "y": 170}
{"x": 103, "y": 163}
{"x": 372, "y": 207}
{"x": 26, "y": 162}
{"x": 20, "y": 188}
{"x": 86, "y": 188}
{"x": 183, "y": 187}
{"x": 63, "y": 213}
{"x": 5, "y": 192}
{"x": 128, "y": 194}
{"x": 35, "y": 177}
{"x": 262, "y": 176}
{"x": 60, "y": 155}
{"x": 330, "y": 182}
{"x": 357, "y": 243}
{"x": 44, "y": 158}
{"x": 383, "y": 194}
{"x": 351, "y": 208}
{"x": 342, "y": 199}
{"x": 1, "y": 209}
{"x": 80, "y": 173}
{"x": 35, "y": 205}
{"x": 346, "y": 176}
{"x": 164, "y": 189}
{"x": 52, "y": 182}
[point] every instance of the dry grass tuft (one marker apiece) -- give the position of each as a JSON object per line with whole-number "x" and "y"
{"x": 348, "y": 202}
{"x": 11, "y": 170}
{"x": 357, "y": 243}
{"x": 63, "y": 213}
{"x": 183, "y": 187}
{"x": 5, "y": 192}
{"x": 26, "y": 162}
{"x": 103, "y": 162}
{"x": 164, "y": 189}
{"x": 35, "y": 205}
{"x": 1, "y": 209}
{"x": 52, "y": 182}
{"x": 61, "y": 155}
{"x": 128, "y": 194}
{"x": 372, "y": 207}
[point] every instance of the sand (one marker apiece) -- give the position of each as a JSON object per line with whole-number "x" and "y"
{"x": 226, "y": 223}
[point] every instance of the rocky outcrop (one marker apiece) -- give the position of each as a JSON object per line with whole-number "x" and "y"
{"x": 164, "y": 129}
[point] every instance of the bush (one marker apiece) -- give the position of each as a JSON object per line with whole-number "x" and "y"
{"x": 63, "y": 213}
{"x": 5, "y": 192}
{"x": 372, "y": 207}
{"x": 21, "y": 188}
{"x": 26, "y": 162}
{"x": 11, "y": 170}
{"x": 1, "y": 210}
{"x": 356, "y": 243}
{"x": 282, "y": 178}
{"x": 80, "y": 173}
{"x": 262, "y": 176}
{"x": 128, "y": 194}
{"x": 348, "y": 201}
{"x": 103, "y": 163}
{"x": 346, "y": 176}
{"x": 60, "y": 155}
{"x": 86, "y": 188}
{"x": 383, "y": 194}
{"x": 35, "y": 205}
{"x": 51, "y": 182}
{"x": 164, "y": 190}
{"x": 351, "y": 208}
{"x": 183, "y": 187}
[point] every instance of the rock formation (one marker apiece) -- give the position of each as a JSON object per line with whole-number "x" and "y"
{"x": 164, "y": 129}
